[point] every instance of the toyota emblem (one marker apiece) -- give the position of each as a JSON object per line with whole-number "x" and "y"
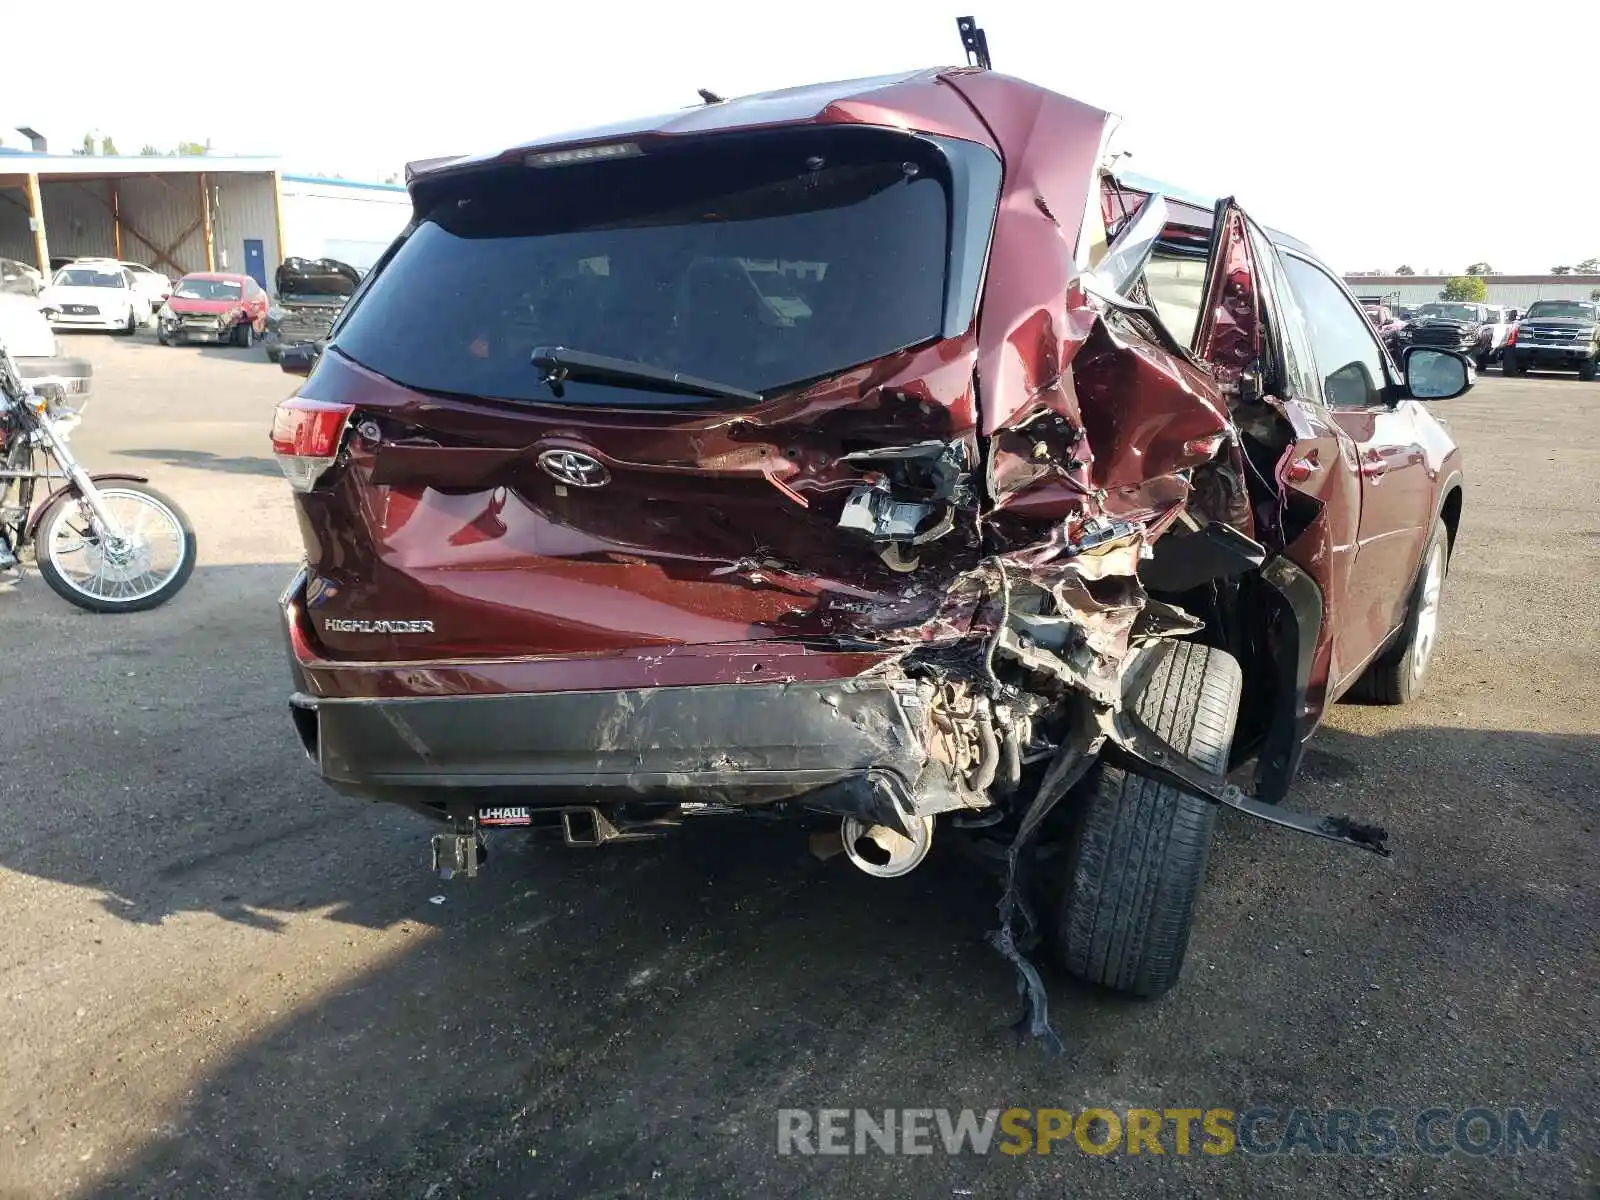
{"x": 574, "y": 468}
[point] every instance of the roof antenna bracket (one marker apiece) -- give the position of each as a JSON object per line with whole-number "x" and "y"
{"x": 975, "y": 42}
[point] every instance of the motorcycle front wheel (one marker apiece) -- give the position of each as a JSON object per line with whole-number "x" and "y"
{"x": 146, "y": 568}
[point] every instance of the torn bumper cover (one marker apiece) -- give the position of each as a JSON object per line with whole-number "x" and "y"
{"x": 858, "y": 747}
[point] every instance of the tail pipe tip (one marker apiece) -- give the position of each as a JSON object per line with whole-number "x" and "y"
{"x": 884, "y": 852}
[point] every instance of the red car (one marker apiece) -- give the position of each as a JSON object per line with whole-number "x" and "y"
{"x": 865, "y": 452}
{"x": 209, "y": 306}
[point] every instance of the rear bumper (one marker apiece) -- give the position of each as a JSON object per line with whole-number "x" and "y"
{"x": 66, "y": 377}
{"x": 842, "y": 747}
{"x": 853, "y": 744}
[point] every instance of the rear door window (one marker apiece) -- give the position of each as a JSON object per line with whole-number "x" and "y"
{"x": 759, "y": 261}
{"x": 1348, "y": 357}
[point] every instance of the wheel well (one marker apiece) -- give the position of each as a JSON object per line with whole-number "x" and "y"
{"x": 1450, "y": 514}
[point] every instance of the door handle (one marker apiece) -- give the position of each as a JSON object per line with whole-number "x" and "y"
{"x": 1373, "y": 467}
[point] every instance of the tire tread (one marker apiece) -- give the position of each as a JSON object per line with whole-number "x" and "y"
{"x": 1140, "y": 849}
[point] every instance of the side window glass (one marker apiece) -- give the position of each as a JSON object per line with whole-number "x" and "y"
{"x": 1348, "y": 358}
{"x": 1299, "y": 363}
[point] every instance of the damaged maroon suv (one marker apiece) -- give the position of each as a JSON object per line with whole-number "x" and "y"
{"x": 872, "y": 453}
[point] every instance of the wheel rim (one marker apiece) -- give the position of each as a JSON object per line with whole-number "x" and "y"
{"x": 1428, "y": 613}
{"x": 148, "y": 558}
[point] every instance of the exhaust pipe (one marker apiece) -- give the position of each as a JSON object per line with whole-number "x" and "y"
{"x": 884, "y": 852}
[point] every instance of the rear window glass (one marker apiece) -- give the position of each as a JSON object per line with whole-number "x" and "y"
{"x": 754, "y": 261}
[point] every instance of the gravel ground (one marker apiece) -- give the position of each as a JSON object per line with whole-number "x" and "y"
{"x": 219, "y": 979}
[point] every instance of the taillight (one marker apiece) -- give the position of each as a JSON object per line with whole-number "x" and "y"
{"x": 1511, "y": 338}
{"x": 305, "y": 438}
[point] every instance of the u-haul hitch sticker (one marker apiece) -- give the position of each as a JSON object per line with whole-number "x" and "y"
{"x": 504, "y": 816}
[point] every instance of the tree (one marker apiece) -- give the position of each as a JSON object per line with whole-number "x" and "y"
{"x": 193, "y": 149}
{"x": 88, "y": 144}
{"x": 1480, "y": 268}
{"x": 1595, "y": 295}
{"x": 1561, "y": 270}
{"x": 107, "y": 147}
{"x": 1589, "y": 266}
{"x": 149, "y": 151}
{"x": 1469, "y": 288}
{"x": 1402, "y": 269}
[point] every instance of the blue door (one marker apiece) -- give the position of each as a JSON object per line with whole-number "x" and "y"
{"x": 255, "y": 260}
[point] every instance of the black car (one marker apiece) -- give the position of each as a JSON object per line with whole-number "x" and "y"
{"x": 1556, "y": 335}
{"x": 1455, "y": 325}
{"x": 311, "y": 294}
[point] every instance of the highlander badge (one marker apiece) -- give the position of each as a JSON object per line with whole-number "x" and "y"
{"x": 345, "y": 625}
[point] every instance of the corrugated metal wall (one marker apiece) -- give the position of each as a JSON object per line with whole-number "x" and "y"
{"x": 159, "y": 211}
{"x": 161, "y": 220}
{"x": 16, "y": 239}
{"x": 243, "y": 208}
{"x": 331, "y": 220}
{"x": 76, "y": 216}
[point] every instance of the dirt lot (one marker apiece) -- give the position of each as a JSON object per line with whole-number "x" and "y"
{"x": 217, "y": 978}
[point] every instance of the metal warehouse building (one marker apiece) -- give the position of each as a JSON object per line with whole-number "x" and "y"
{"x": 190, "y": 214}
{"x": 1514, "y": 291}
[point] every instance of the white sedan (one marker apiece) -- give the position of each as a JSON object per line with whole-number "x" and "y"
{"x": 155, "y": 286}
{"x": 95, "y": 295}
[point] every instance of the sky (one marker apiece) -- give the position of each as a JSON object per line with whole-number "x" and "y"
{"x": 1380, "y": 132}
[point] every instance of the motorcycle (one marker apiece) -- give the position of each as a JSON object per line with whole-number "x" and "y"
{"x": 107, "y": 543}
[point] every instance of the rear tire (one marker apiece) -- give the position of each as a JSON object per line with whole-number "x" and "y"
{"x": 1398, "y": 675}
{"x": 1137, "y": 855}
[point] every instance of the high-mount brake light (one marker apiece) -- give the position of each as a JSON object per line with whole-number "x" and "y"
{"x": 582, "y": 154}
{"x": 305, "y": 438}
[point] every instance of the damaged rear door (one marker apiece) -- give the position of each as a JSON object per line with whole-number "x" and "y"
{"x": 1306, "y": 493}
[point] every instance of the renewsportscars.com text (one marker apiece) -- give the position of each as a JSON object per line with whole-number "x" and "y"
{"x": 1215, "y": 1132}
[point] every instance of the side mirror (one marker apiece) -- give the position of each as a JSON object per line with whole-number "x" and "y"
{"x": 299, "y": 358}
{"x": 1437, "y": 374}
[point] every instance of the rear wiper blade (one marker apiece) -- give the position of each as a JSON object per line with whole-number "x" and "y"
{"x": 560, "y": 364}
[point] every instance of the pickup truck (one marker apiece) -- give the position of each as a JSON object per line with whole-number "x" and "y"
{"x": 1556, "y": 335}
{"x": 1480, "y": 331}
